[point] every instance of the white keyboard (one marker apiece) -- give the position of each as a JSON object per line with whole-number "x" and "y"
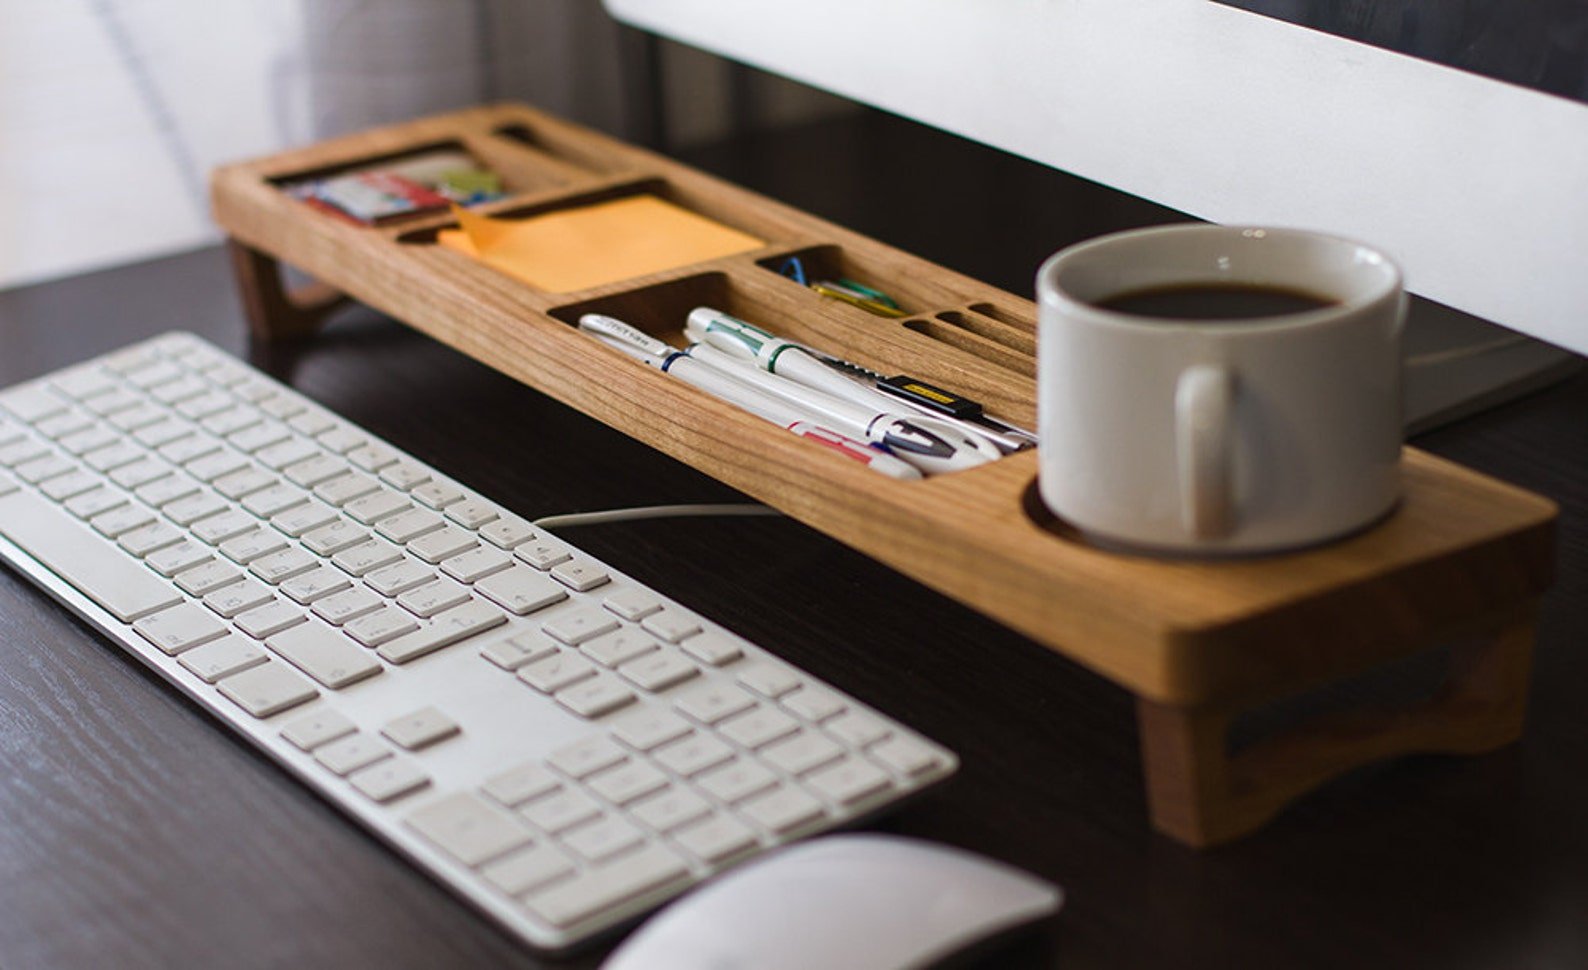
{"x": 554, "y": 741}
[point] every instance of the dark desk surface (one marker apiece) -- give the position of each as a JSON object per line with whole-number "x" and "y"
{"x": 135, "y": 832}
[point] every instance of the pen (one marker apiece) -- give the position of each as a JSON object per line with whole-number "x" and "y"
{"x": 931, "y": 449}
{"x": 647, "y": 349}
{"x": 787, "y": 359}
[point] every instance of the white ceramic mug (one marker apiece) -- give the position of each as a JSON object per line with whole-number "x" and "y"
{"x": 1226, "y": 436}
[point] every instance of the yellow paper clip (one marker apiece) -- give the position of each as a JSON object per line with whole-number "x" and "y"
{"x": 854, "y": 299}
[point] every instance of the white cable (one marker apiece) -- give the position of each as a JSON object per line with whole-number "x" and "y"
{"x": 653, "y": 512}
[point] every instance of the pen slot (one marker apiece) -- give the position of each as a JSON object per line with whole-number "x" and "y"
{"x": 1021, "y": 322}
{"x": 912, "y": 293}
{"x": 984, "y": 325}
{"x": 975, "y": 345}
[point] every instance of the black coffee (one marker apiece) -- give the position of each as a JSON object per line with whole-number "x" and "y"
{"x": 1213, "y": 301}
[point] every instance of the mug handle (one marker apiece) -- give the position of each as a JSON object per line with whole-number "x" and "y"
{"x": 1203, "y": 399}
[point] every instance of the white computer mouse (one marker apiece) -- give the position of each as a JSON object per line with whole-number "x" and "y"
{"x": 844, "y": 902}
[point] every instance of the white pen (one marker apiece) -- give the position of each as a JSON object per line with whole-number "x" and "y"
{"x": 790, "y": 360}
{"x": 647, "y": 349}
{"x": 931, "y": 450}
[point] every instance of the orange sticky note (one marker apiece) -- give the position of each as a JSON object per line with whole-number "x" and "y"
{"x": 574, "y": 249}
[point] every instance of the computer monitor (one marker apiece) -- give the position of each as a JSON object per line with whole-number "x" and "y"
{"x": 1478, "y": 185}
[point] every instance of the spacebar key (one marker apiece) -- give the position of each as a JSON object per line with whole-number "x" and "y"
{"x": 82, "y": 558}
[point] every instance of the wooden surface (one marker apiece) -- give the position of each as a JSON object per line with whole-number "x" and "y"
{"x": 1459, "y": 547}
{"x": 137, "y": 834}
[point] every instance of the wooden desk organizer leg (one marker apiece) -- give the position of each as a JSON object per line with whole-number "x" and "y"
{"x": 1201, "y": 794}
{"x": 274, "y": 311}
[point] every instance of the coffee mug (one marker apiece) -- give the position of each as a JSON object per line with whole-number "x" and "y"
{"x": 1219, "y": 390}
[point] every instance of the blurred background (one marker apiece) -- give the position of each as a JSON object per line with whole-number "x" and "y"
{"x": 112, "y": 112}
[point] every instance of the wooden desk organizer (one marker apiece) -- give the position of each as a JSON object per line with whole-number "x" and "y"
{"x": 1463, "y": 557}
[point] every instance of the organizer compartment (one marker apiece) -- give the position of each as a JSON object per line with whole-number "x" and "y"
{"x": 950, "y": 329}
{"x": 913, "y": 292}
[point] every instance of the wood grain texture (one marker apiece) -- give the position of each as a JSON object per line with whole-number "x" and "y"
{"x": 1459, "y": 547}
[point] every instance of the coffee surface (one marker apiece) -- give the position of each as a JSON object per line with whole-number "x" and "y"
{"x": 1213, "y": 302}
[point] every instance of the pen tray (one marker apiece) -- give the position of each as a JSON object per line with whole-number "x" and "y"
{"x": 1460, "y": 550}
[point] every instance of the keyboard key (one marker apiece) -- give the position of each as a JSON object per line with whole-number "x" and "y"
{"x": 587, "y": 757}
{"x": 596, "y": 697}
{"x": 711, "y": 702}
{"x": 433, "y": 597}
{"x": 580, "y": 576}
{"x": 542, "y": 553}
{"x": 274, "y": 500}
{"x": 521, "y": 590}
{"x": 737, "y": 781}
{"x": 374, "y": 629}
{"x": 259, "y": 436}
{"x": 658, "y": 671}
{"x": 783, "y": 810}
{"x": 218, "y": 528}
{"x": 693, "y": 754}
{"x": 90, "y": 504}
{"x": 506, "y": 532}
{"x": 231, "y": 600}
{"x": 206, "y": 578}
{"x": 389, "y": 780}
{"x": 420, "y": 729}
{"x": 618, "y": 647}
{"x": 517, "y": 786}
{"x": 216, "y": 465}
{"x": 561, "y": 810}
{"x": 44, "y": 468}
{"x": 436, "y": 495}
{"x": 758, "y": 727}
{"x": 555, "y": 672}
{"x": 33, "y": 403}
{"x": 303, "y": 518}
{"x": 180, "y": 628}
{"x": 850, "y": 781}
{"x": 404, "y": 475}
{"x": 859, "y": 729}
{"x": 314, "y": 471}
{"x": 471, "y": 513}
{"x": 222, "y": 658}
{"x": 63, "y": 487}
{"x": 186, "y": 511}
{"x": 409, "y": 525}
{"x": 244, "y": 482}
{"x": 453, "y": 626}
{"x": 270, "y": 619}
{"x": 603, "y": 838}
{"x": 312, "y": 730}
{"x": 183, "y": 451}
{"x": 671, "y": 809}
{"x": 469, "y": 828}
{"x": 712, "y": 647}
{"x": 348, "y": 754}
{"x": 317, "y": 583}
{"x": 577, "y": 626}
{"x": 283, "y": 565}
{"x": 149, "y": 539}
{"x": 347, "y": 605}
{"x": 331, "y": 539}
{"x": 340, "y": 491}
{"x": 527, "y": 869}
{"x": 121, "y": 520}
{"x": 565, "y": 903}
{"x": 632, "y": 604}
{"x": 476, "y": 564}
{"x": 367, "y": 556}
{"x": 165, "y": 490}
{"x": 343, "y": 439}
{"x": 267, "y": 689}
{"x": 627, "y": 782}
{"x": 906, "y": 756}
{"x": 768, "y": 679}
{"x": 671, "y": 625}
{"x": 814, "y": 703}
{"x": 803, "y": 752}
{"x": 443, "y": 543}
{"x": 399, "y": 578}
{"x": 371, "y": 508}
{"x": 285, "y": 453}
{"x": 120, "y": 585}
{"x": 514, "y": 652}
{"x": 324, "y": 654}
{"x": 718, "y": 839}
{"x": 648, "y": 728}
{"x": 244, "y": 549}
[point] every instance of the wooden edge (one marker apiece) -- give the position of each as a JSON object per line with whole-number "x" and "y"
{"x": 274, "y": 311}
{"x": 1201, "y": 795}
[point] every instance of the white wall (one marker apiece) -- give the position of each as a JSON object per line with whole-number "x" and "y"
{"x": 112, "y": 112}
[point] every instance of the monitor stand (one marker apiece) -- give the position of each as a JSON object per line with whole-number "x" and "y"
{"x": 1458, "y": 365}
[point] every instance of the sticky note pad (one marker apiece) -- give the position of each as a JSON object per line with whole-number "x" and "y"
{"x": 574, "y": 249}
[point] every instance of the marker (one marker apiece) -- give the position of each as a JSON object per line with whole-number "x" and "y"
{"x": 648, "y": 350}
